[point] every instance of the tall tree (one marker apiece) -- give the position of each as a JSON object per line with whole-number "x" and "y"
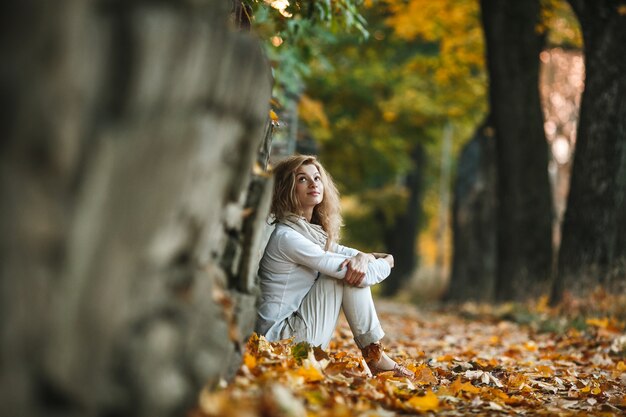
{"x": 524, "y": 214}
{"x": 473, "y": 273}
{"x": 400, "y": 239}
{"x": 593, "y": 247}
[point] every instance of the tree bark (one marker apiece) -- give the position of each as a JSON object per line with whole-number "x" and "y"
{"x": 524, "y": 214}
{"x": 473, "y": 221}
{"x": 593, "y": 246}
{"x": 400, "y": 240}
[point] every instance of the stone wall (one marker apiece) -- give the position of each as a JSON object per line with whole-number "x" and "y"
{"x": 130, "y": 218}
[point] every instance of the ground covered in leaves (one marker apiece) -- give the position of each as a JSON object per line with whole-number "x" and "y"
{"x": 471, "y": 359}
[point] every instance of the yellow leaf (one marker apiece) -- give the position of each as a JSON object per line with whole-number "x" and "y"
{"x": 249, "y": 360}
{"x": 310, "y": 374}
{"x": 311, "y": 111}
{"x": 543, "y": 305}
{"x": 389, "y": 116}
{"x": 596, "y": 391}
{"x": 531, "y": 346}
{"x": 428, "y": 402}
{"x": 273, "y": 116}
{"x": 621, "y": 366}
{"x": 602, "y": 323}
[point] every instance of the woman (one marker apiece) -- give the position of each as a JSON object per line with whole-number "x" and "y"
{"x": 306, "y": 277}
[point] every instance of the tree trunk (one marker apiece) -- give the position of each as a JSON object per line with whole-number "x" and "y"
{"x": 400, "y": 240}
{"x": 524, "y": 214}
{"x": 593, "y": 247}
{"x": 441, "y": 259}
{"x": 128, "y": 133}
{"x": 474, "y": 222}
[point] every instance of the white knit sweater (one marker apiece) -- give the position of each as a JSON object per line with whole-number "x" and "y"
{"x": 289, "y": 267}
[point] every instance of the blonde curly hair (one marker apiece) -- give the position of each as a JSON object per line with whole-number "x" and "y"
{"x": 284, "y": 202}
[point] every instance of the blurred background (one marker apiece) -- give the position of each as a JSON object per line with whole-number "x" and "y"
{"x": 394, "y": 98}
{"x": 482, "y": 143}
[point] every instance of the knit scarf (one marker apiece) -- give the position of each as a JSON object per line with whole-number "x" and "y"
{"x": 313, "y": 232}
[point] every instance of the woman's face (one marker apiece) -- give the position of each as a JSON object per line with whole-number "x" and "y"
{"x": 309, "y": 187}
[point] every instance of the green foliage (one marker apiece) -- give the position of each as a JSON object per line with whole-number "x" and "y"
{"x": 384, "y": 95}
{"x": 293, "y": 34}
{"x": 560, "y": 25}
{"x": 300, "y": 351}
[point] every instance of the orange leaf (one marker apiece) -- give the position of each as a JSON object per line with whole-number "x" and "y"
{"x": 423, "y": 375}
{"x": 249, "y": 360}
{"x": 545, "y": 370}
{"x": 458, "y": 386}
{"x": 530, "y": 346}
{"x": 517, "y": 380}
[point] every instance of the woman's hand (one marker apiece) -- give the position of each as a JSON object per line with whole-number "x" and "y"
{"x": 357, "y": 267}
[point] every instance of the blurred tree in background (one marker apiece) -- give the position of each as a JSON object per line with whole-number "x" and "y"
{"x": 388, "y": 92}
{"x": 593, "y": 249}
{"x": 392, "y": 99}
{"x": 524, "y": 205}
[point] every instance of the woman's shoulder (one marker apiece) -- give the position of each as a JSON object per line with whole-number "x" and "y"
{"x": 285, "y": 240}
{"x": 283, "y": 232}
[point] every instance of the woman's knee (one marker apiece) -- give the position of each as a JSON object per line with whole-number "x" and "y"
{"x": 362, "y": 291}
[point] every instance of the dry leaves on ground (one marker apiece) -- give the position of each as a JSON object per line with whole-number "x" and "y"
{"x": 470, "y": 360}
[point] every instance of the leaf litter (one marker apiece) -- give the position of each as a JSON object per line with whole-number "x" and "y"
{"x": 470, "y": 359}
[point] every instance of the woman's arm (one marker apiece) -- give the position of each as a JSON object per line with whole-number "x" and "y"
{"x": 386, "y": 256}
{"x": 299, "y": 250}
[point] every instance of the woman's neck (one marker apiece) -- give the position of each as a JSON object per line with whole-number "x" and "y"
{"x": 308, "y": 215}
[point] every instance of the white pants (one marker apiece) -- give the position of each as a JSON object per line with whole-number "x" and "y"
{"x": 316, "y": 319}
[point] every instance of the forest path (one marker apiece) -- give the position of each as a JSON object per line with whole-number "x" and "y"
{"x": 473, "y": 359}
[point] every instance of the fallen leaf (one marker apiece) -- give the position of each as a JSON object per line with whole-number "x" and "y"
{"x": 424, "y": 375}
{"x": 427, "y": 402}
